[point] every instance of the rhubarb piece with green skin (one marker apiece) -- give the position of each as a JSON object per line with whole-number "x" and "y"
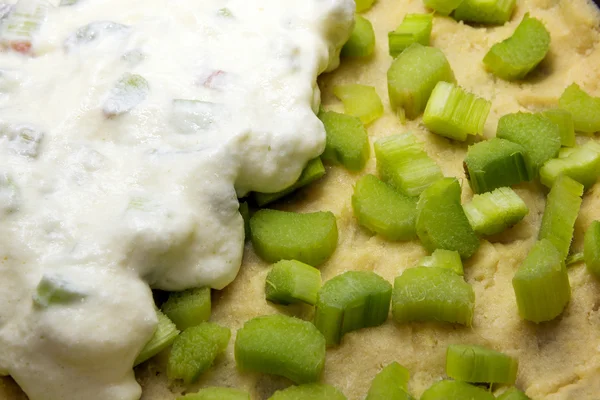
{"x": 313, "y": 171}
{"x": 194, "y": 351}
{"x": 493, "y": 212}
{"x": 55, "y": 289}
{"x": 312, "y": 391}
{"x": 281, "y": 345}
{"x": 489, "y": 12}
{"x": 455, "y": 390}
{"x": 351, "y": 301}
{"x": 565, "y": 123}
{"x": 517, "y": 56}
{"x": 560, "y": 214}
{"x": 478, "y": 364}
{"x": 188, "y": 308}
{"x": 347, "y": 142}
{"x": 541, "y": 284}
{"x": 383, "y": 210}
{"x": 441, "y": 258}
{"x": 360, "y": 101}
{"x": 362, "y": 39}
{"x": 443, "y": 7}
{"x": 165, "y": 334}
{"x": 403, "y": 163}
{"x": 441, "y": 220}
{"x": 455, "y": 113}
{"x": 280, "y": 235}
{"x": 591, "y": 248}
{"x": 584, "y": 108}
{"x": 432, "y": 294}
{"x": 19, "y": 28}
{"x": 127, "y": 94}
{"x": 415, "y": 28}
{"x": 391, "y": 383}
{"x": 579, "y": 163}
{"x": 291, "y": 281}
{"x": 513, "y": 394}
{"x": 217, "y": 393}
{"x": 413, "y": 76}
{"x": 539, "y": 137}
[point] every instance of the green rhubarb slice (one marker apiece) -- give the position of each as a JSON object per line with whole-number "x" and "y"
{"x": 309, "y": 391}
{"x": 313, "y": 171}
{"x": 351, "y": 301}
{"x": 539, "y": 136}
{"x": 281, "y": 345}
{"x": 478, "y": 364}
{"x": 454, "y": 113}
{"x": 432, "y": 294}
{"x": 413, "y": 76}
{"x": 443, "y": 7}
{"x": 390, "y": 383}
{"x": 493, "y": 212}
{"x": 456, "y": 390}
{"x": 165, "y": 334}
{"x": 492, "y": 12}
{"x": 362, "y": 39}
{"x": 579, "y": 163}
{"x": 55, "y": 289}
{"x": 441, "y": 220}
{"x": 591, "y": 248}
{"x": 280, "y": 235}
{"x": 541, "y": 283}
{"x": 415, "y": 28}
{"x": 347, "y": 142}
{"x": 564, "y": 120}
{"x": 245, "y": 212}
{"x": 441, "y": 258}
{"x": 195, "y": 350}
{"x": 363, "y": 5}
{"x": 360, "y": 101}
{"x": 217, "y": 393}
{"x": 518, "y": 55}
{"x": 291, "y": 281}
{"x": 383, "y": 210}
{"x": 188, "y": 308}
{"x": 513, "y": 394}
{"x": 562, "y": 208}
{"x": 403, "y": 163}
{"x": 128, "y": 93}
{"x": 584, "y": 108}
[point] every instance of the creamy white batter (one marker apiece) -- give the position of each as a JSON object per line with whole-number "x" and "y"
{"x": 127, "y": 131}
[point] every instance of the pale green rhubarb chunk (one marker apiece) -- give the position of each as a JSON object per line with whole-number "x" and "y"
{"x": 413, "y": 76}
{"x": 360, "y": 101}
{"x": 188, "y": 308}
{"x": 68, "y": 2}
{"x": 495, "y": 163}
{"x": 280, "y": 235}
{"x": 195, "y": 350}
{"x": 518, "y": 55}
{"x": 281, "y": 345}
{"x": 562, "y": 208}
{"x": 383, "y": 210}
{"x": 541, "y": 284}
{"x": 584, "y": 108}
{"x": 351, "y": 301}
{"x": 165, "y": 334}
{"x": 57, "y": 290}
{"x": 432, "y": 294}
{"x": 362, "y": 39}
{"x": 513, "y": 394}
{"x": 579, "y": 163}
{"x": 10, "y": 198}
{"x": 493, "y": 212}
{"x": 492, "y": 12}
{"x": 415, "y": 28}
{"x": 363, "y": 5}
{"x": 441, "y": 220}
{"x": 128, "y": 93}
{"x": 346, "y": 141}
{"x": 291, "y": 281}
{"x": 564, "y": 120}
{"x": 18, "y": 30}
{"x": 539, "y": 136}
{"x": 591, "y": 248}
{"x": 309, "y": 391}
{"x": 313, "y": 171}
{"x": 441, "y": 258}
{"x": 456, "y": 390}
{"x": 478, "y": 364}
{"x": 443, "y": 7}
{"x": 455, "y": 113}
{"x": 403, "y": 163}
{"x": 391, "y": 383}
{"x": 217, "y": 393}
